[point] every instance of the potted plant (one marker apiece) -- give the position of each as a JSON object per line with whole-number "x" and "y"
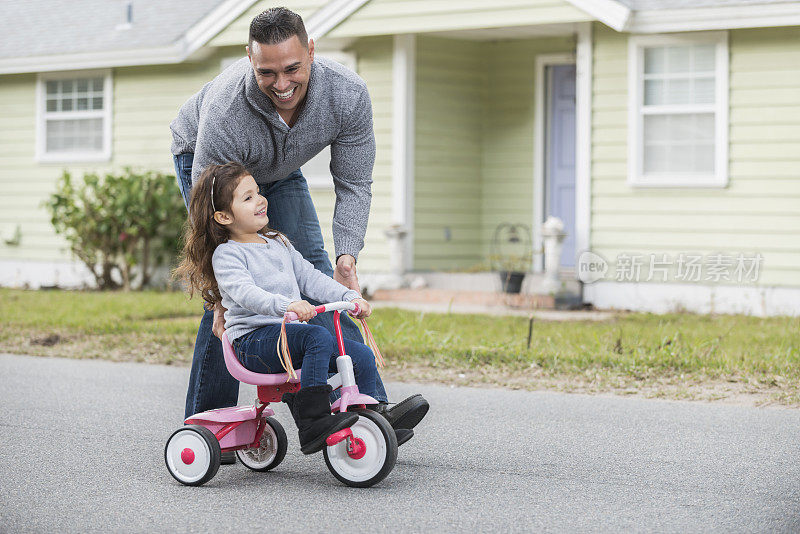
{"x": 512, "y": 254}
{"x": 512, "y": 271}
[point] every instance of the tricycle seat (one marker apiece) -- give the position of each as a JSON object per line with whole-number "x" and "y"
{"x": 242, "y": 374}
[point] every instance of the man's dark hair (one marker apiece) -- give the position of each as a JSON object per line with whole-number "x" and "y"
{"x": 275, "y": 25}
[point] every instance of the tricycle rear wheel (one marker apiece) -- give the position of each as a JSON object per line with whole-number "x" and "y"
{"x": 271, "y": 449}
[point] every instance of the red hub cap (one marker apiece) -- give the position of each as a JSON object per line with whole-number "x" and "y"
{"x": 187, "y": 456}
{"x": 356, "y": 448}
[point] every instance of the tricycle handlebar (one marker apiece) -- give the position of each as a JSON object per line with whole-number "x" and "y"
{"x": 331, "y": 306}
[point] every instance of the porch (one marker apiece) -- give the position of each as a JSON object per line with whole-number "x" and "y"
{"x": 490, "y": 138}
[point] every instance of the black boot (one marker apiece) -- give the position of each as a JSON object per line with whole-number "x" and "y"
{"x": 406, "y": 414}
{"x": 311, "y": 410}
{"x": 403, "y": 435}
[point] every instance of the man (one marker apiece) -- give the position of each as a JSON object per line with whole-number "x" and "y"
{"x": 273, "y": 111}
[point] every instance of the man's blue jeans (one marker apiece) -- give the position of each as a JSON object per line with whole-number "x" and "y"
{"x": 313, "y": 351}
{"x": 290, "y": 211}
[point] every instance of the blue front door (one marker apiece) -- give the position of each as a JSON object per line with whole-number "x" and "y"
{"x": 560, "y": 154}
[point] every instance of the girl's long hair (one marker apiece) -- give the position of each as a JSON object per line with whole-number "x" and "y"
{"x": 203, "y": 234}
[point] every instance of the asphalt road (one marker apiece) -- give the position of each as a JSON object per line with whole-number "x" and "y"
{"x": 81, "y": 450}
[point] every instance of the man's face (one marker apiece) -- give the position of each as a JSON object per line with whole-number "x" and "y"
{"x": 282, "y": 70}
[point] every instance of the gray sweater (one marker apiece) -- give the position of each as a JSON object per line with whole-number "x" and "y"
{"x": 230, "y": 119}
{"x": 258, "y": 281}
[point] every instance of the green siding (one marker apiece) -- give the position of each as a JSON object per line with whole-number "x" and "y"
{"x": 374, "y": 57}
{"x": 451, "y": 84}
{"x": 21, "y": 185}
{"x": 237, "y": 31}
{"x": 759, "y": 211}
{"x": 146, "y": 99}
{"x": 383, "y": 17}
{"x": 474, "y": 144}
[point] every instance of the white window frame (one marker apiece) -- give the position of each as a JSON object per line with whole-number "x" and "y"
{"x": 42, "y": 115}
{"x": 636, "y": 176}
{"x": 349, "y": 60}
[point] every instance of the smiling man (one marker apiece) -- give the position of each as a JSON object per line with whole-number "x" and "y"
{"x": 273, "y": 111}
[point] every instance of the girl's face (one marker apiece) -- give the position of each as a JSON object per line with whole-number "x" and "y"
{"x": 248, "y": 208}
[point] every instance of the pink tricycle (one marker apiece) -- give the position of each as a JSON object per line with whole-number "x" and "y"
{"x": 360, "y": 456}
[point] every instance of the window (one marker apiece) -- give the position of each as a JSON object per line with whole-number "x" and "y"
{"x": 317, "y": 170}
{"x": 74, "y": 117}
{"x": 678, "y": 113}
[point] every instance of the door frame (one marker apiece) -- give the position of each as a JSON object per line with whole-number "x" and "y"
{"x": 539, "y": 145}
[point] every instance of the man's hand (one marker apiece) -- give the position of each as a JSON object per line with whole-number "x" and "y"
{"x": 303, "y": 309}
{"x": 364, "y": 309}
{"x": 219, "y": 320}
{"x": 345, "y": 272}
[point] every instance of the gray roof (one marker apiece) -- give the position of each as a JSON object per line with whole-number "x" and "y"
{"x": 647, "y": 5}
{"x": 41, "y": 27}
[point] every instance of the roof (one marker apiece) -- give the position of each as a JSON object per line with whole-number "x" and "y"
{"x": 70, "y": 26}
{"x": 51, "y": 35}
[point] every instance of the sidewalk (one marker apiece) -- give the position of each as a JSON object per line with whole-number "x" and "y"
{"x": 482, "y": 303}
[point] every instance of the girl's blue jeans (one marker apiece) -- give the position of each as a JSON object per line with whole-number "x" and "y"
{"x": 291, "y": 211}
{"x": 313, "y": 351}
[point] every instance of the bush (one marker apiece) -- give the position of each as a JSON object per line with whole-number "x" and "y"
{"x": 121, "y": 226}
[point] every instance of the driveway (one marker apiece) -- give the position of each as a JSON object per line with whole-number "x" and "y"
{"x": 81, "y": 450}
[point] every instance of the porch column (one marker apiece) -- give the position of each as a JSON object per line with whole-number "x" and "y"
{"x": 401, "y": 233}
{"x": 583, "y": 134}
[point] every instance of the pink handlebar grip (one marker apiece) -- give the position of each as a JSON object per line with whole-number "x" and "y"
{"x": 292, "y": 316}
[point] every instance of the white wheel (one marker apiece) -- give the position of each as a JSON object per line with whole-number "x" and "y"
{"x": 192, "y": 455}
{"x": 374, "y": 462}
{"x": 270, "y": 451}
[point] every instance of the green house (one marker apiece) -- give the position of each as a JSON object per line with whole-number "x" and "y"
{"x": 665, "y": 134}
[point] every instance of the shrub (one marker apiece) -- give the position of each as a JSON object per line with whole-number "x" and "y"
{"x": 121, "y": 226}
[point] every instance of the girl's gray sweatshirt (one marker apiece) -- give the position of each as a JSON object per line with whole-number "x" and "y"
{"x": 258, "y": 281}
{"x": 230, "y": 119}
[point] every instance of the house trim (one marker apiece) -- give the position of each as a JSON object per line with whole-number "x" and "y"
{"x": 612, "y": 13}
{"x": 583, "y": 142}
{"x": 331, "y": 15}
{"x": 403, "y": 110}
{"x": 41, "y": 155}
{"x": 636, "y": 46}
{"x": 213, "y": 23}
{"x": 539, "y": 135}
{"x": 715, "y": 18}
{"x": 35, "y": 274}
{"x": 695, "y": 298}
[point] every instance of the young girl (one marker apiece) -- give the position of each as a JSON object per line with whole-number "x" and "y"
{"x": 232, "y": 257}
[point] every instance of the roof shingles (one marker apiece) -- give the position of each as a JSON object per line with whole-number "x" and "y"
{"x": 42, "y": 27}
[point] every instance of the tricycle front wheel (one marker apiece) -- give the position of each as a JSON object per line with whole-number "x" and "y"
{"x": 375, "y": 457}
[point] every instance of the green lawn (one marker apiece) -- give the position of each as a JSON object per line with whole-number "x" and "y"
{"x": 678, "y": 355}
